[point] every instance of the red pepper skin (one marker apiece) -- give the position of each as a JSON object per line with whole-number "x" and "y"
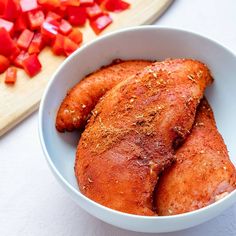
{"x": 7, "y": 45}
{"x": 49, "y": 31}
{"x": 20, "y": 58}
{"x": 36, "y": 19}
{"x": 21, "y": 22}
{"x": 94, "y": 11}
{"x": 77, "y": 15}
{"x": 58, "y": 45}
{"x": 86, "y": 3}
{"x": 49, "y": 4}
{"x": 11, "y": 75}
{"x": 76, "y": 36}
{"x": 65, "y": 27}
{"x": 25, "y": 39}
{"x": 4, "y": 63}
{"x": 52, "y": 17}
{"x": 115, "y": 5}
{"x": 8, "y": 25}
{"x": 36, "y": 44}
{"x": 69, "y": 46}
{"x": 32, "y": 65}
{"x": 74, "y": 3}
{"x": 28, "y": 5}
{"x": 10, "y": 10}
{"x": 100, "y": 23}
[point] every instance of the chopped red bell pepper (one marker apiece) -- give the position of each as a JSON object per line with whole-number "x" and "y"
{"x": 76, "y": 36}
{"x": 94, "y": 11}
{"x": 36, "y": 44}
{"x": 32, "y": 65}
{"x": 75, "y": 3}
{"x": 65, "y": 27}
{"x": 21, "y": 22}
{"x": 100, "y": 23}
{"x": 99, "y": 1}
{"x": 49, "y": 4}
{"x": 58, "y": 45}
{"x": 11, "y": 75}
{"x": 2, "y": 6}
{"x": 11, "y": 10}
{"x": 4, "y": 63}
{"x": 115, "y": 5}
{"x": 52, "y": 17}
{"x": 49, "y": 30}
{"x": 7, "y": 45}
{"x": 69, "y": 46}
{"x": 36, "y": 18}
{"x": 28, "y": 5}
{"x": 8, "y": 25}
{"x": 25, "y": 39}
{"x": 86, "y": 3}
{"x": 77, "y": 15}
{"x": 20, "y": 58}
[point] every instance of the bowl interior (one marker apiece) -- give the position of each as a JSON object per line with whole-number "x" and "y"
{"x": 140, "y": 43}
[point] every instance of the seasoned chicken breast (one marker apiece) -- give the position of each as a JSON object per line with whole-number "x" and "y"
{"x": 82, "y": 98}
{"x": 203, "y": 172}
{"x": 130, "y": 137}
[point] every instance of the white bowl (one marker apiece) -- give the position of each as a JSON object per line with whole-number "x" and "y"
{"x": 151, "y": 43}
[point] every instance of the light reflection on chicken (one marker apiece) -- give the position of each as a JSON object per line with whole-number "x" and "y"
{"x": 130, "y": 137}
{"x": 202, "y": 173}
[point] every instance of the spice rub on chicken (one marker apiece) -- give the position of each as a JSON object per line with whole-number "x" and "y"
{"x": 202, "y": 173}
{"x": 130, "y": 137}
{"x": 83, "y": 97}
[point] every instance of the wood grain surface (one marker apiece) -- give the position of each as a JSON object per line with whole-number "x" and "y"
{"x": 20, "y": 100}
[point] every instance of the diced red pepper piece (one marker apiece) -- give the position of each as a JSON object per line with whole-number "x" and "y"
{"x": 11, "y": 10}
{"x": 58, "y": 45}
{"x": 52, "y": 17}
{"x": 2, "y": 6}
{"x": 74, "y": 3}
{"x": 49, "y": 30}
{"x": 32, "y": 65}
{"x": 94, "y": 11}
{"x": 11, "y": 75}
{"x": 36, "y": 44}
{"x": 36, "y": 18}
{"x": 14, "y": 54}
{"x": 28, "y": 5}
{"x": 8, "y": 25}
{"x": 25, "y": 39}
{"x": 69, "y": 46}
{"x": 76, "y": 36}
{"x": 21, "y": 22}
{"x": 20, "y": 58}
{"x": 100, "y": 23}
{"x": 77, "y": 15}
{"x": 86, "y": 3}
{"x": 115, "y": 5}
{"x": 49, "y": 4}
{"x": 65, "y": 27}
{"x": 7, "y": 45}
{"x": 99, "y": 1}
{"x": 4, "y": 63}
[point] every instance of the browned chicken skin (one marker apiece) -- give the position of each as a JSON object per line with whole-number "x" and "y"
{"x": 129, "y": 139}
{"x": 83, "y": 97}
{"x": 202, "y": 173}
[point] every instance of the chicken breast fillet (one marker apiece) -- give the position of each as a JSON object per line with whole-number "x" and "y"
{"x": 203, "y": 172}
{"x": 83, "y": 97}
{"x": 130, "y": 137}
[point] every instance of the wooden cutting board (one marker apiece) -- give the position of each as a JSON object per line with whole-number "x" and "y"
{"x": 20, "y": 100}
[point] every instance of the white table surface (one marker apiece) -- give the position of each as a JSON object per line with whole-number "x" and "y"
{"x": 33, "y": 203}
